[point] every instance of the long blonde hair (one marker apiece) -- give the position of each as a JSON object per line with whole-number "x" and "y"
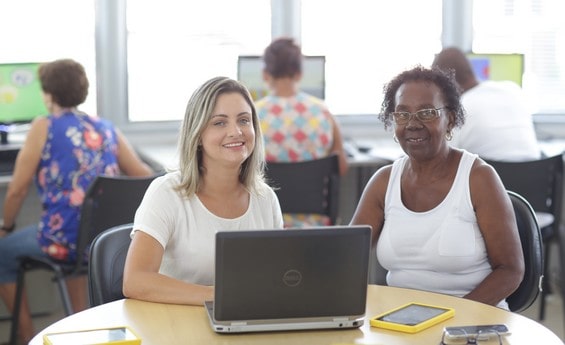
{"x": 198, "y": 112}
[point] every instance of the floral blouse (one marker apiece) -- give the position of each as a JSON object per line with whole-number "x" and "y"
{"x": 78, "y": 148}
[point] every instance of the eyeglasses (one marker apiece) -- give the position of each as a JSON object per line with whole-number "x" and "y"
{"x": 424, "y": 115}
{"x": 486, "y": 337}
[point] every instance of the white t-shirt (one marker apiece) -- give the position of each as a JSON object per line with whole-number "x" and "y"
{"x": 499, "y": 123}
{"x": 440, "y": 250}
{"x": 186, "y": 229}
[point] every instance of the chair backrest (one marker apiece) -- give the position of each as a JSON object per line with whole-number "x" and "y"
{"x": 307, "y": 187}
{"x": 109, "y": 201}
{"x": 539, "y": 181}
{"x": 106, "y": 268}
{"x": 532, "y": 248}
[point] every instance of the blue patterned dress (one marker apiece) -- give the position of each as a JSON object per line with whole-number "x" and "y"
{"x": 78, "y": 148}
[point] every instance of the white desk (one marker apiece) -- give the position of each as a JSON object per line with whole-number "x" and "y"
{"x": 160, "y": 324}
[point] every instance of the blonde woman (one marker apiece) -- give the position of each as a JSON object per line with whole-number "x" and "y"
{"x": 219, "y": 186}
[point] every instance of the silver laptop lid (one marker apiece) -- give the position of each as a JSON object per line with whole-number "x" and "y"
{"x": 292, "y": 273}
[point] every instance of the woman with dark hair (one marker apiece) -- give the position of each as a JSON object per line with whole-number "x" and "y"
{"x": 442, "y": 220}
{"x": 63, "y": 152}
{"x": 297, "y": 126}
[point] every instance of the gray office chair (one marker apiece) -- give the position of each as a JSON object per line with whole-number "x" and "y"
{"x": 109, "y": 201}
{"x": 308, "y": 186}
{"x": 532, "y": 248}
{"x": 107, "y": 259}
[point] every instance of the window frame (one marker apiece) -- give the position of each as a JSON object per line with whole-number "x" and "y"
{"x": 111, "y": 62}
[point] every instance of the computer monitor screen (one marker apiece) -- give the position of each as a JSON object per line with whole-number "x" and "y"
{"x": 21, "y": 98}
{"x": 250, "y": 73}
{"x": 498, "y": 66}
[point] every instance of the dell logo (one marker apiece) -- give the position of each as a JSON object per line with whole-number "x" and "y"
{"x": 292, "y": 278}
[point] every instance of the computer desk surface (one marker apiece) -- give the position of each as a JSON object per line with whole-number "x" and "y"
{"x": 157, "y": 323}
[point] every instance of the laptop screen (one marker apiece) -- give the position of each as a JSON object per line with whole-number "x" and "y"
{"x": 293, "y": 273}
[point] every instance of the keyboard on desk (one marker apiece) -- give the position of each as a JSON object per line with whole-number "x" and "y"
{"x": 6, "y": 168}
{"x": 7, "y": 161}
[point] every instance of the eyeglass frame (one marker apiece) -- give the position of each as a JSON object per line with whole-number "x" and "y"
{"x": 473, "y": 339}
{"x": 416, "y": 115}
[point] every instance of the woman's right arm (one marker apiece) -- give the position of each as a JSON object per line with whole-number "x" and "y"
{"x": 128, "y": 160}
{"x": 143, "y": 281}
{"x": 338, "y": 149}
{"x": 370, "y": 210}
{"x": 25, "y": 168}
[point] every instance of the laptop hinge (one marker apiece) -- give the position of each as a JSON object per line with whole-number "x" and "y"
{"x": 239, "y": 323}
{"x": 340, "y": 319}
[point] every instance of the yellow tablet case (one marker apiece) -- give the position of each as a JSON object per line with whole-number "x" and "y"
{"x": 121, "y": 335}
{"x": 442, "y": 314}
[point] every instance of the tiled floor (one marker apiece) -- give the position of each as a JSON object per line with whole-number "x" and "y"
{"x": 554, "y": 314}
{"x": 553, "y": 320}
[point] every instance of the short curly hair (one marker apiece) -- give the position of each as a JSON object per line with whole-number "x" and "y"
{"x": 65, "y": 80}
{"x": 283, "y": 58}
{"x": 444, "y": 81}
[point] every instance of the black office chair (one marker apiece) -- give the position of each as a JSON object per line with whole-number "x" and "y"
{"x": 532, "y": 248}
{"x": 307, "y": 187}
{"x": 541, "y": 183}
{"x": 107, "y": 259}
{"x": 109, "y": 201}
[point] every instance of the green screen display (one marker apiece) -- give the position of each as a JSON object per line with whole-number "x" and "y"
{"x": 498, "y": 66}
{"x": 21, "y": 99}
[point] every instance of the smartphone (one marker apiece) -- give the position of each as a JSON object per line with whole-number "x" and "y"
{"x": 114, "y": 336}
{"x": 481, "y": 331}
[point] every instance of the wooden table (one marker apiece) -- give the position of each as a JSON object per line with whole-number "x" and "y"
{"x": 165, "y": 324}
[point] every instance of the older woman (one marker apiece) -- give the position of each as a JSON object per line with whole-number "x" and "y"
{"x": 441, "y": 218}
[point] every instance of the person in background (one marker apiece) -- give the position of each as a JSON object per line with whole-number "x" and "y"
{"x": 441, "y": 218}
{"x": 297, "y": 126}
{"x": 499, "y": 123}
{"x": 219, "y": 186}
{"x": 63, "y": 152}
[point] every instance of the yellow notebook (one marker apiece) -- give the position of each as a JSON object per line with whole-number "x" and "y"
{"x": 122, "y": 335}
{"x": 412, "y": 317}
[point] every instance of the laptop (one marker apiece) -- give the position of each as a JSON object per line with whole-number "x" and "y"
{"x": 291, "y": 279}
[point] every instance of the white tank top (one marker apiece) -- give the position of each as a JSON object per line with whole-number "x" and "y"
{"x": 440, "y": 250}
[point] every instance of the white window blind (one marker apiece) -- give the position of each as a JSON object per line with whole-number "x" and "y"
{"x": 42, "y": 31}
{"x": 366, "y": 43}
{"x": 174, "y": 46}
{"x": 534, "y": 28}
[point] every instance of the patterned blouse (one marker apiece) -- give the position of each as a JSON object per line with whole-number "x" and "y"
{"x": 78, "y": 148}
{"x": 296, "y": 129}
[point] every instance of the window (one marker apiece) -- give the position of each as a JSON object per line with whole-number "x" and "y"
{"x": 174, "y": 46}
{"x": 41, "y": 31}
{"x": 366, "y": 43}
{"x": 534, "y": 28}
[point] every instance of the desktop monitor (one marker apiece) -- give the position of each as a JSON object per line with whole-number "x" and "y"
{"x": 21, "y": 97}
{"x": 250, "y": 73}
{"x": 498, "y": 66}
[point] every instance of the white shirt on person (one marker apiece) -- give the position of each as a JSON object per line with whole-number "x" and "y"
{"x": 441, "y": 250}
{"x": 499, "y": 123}
{"x": 186, "y": 228}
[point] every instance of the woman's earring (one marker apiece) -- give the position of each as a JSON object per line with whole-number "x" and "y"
{"x": 395, "y": 138}
{"x": 448, "y": 135}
